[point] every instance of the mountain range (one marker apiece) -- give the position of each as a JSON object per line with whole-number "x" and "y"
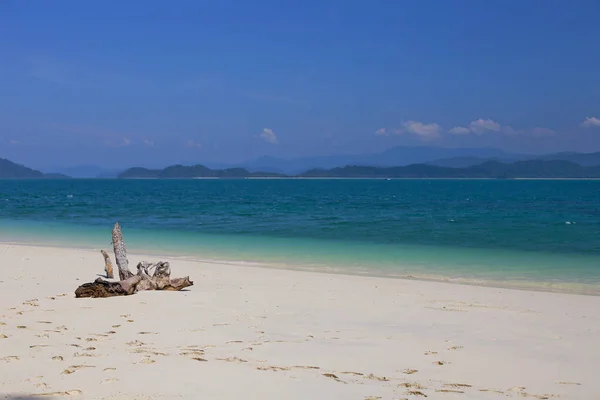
{"x": 487, "y": 169}
{"x": 272, "y": 166}
{"x": 396, "y": 156}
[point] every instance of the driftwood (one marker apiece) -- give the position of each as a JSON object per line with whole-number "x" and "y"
{"x": 102, "y": 288}
{"x": 108, "y": 268}
{"x": 129, "y": 283}
{"x": 120, "y": 253}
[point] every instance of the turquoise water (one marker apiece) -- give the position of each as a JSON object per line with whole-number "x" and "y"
{"x": 524, "y": 233}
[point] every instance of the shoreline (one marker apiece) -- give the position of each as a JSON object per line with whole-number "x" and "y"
{"x": 273, "y": 333}
{"x": 527, "y": 286}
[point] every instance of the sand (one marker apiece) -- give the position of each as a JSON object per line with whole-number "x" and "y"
{"x": 254, "y": 333}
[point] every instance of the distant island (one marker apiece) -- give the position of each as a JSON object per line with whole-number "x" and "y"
{"x": 9, "y": 169}
{"x": 195, "y": 171}
{"x": 487, "y": 169}
{"x": 393, "y": 163}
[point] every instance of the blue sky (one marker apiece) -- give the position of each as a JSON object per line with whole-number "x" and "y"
{"x": 120, "y": 83}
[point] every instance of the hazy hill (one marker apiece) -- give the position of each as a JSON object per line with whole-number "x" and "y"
{"x": 584, "y": 159}
{"x": 396, "y": 156}
{"x": 194, "y": 171}
{"x": 488, "y": 169}
{"x": 9, "y": 169}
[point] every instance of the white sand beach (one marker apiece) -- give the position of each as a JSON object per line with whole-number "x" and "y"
{"x": 254, "y": 333}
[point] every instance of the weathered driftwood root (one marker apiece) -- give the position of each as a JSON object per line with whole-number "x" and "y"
{"x": 102, "y": 288}
{"x": 161, "y": 279}
{"x": 108, "y": 268}
{"x": 129, "y": 283}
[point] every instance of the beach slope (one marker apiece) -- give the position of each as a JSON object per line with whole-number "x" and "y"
{"x": 255, "y": 333}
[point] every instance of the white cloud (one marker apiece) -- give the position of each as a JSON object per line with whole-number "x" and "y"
{"x": 424, "y": 131}
{"x": 193, "y": 144}
{"x": 126, "y": 141}
{"x": 148, "y": 143}
{"x": 14, "y": 142}
{"x": 381, "y": 132}
{"x": 268, "y": 136}
{"x": 460, "y": 130}
{"x": 483, "y": 125}
{"x": 591, "y": 122}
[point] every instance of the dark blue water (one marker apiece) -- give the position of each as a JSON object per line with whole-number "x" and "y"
{"x": 525, "y": 232}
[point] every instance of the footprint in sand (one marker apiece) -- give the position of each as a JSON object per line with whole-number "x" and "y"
{"x": 411, "y": 385}
{"x": 306, "y": 367}
{"x": 440, "y": 362}
{"x": 377, "y": 378}
{"x": 110, "y": 380}
{"x": 416, "y": 393}
{"x": 373, "y": 398}
{"x": 58, "y": 358}
{"x": 430, "y": 353}
{"x": 333, "y": 376}
{"x": 32, "y": 303}
{"x": 232, "y": 359}
{"x": 492, "y": 391}
{"x": 410, "y": 371}
{"x": 146, "y": 360}
{"x": 148, "y": 351}
{"x": 10, "y": 358}
{"x": 3, "y": 336}
{"x": 457, "y": 385}
{"x": 74, "y": 392}
{"x": 109, "y": 369}
{"x": 41, "y": 385}
{"x": 74, "y": 368}
{"x": 116, "y": 326}
{"x": 273, "y": 368}
{"x": 569, "y": 383}
{"x": 135, "y": 343}
{"x": 193, "y": 353}
{"x": 77, "y": 354}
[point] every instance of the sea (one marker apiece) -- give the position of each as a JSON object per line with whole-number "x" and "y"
{"x": 523, "y": 234}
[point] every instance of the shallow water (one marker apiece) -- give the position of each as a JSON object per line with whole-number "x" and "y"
{"x": 533, "y": 234}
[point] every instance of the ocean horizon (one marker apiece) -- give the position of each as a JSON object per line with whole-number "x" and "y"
{"x": 538, "y": 235}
